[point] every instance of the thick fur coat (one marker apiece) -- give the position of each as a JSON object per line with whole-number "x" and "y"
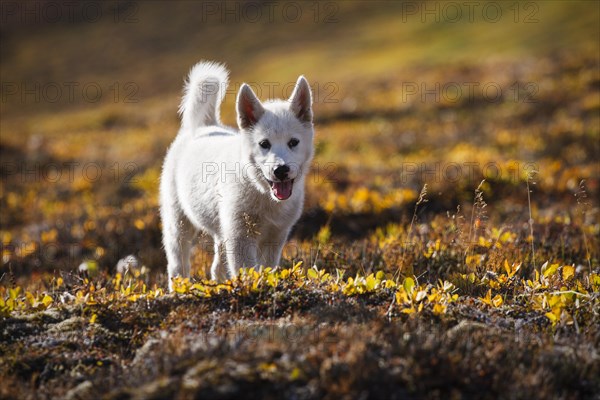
{"x": 243, "y": 188}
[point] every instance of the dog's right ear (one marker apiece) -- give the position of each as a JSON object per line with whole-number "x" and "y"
{"x": 249, "y": 108}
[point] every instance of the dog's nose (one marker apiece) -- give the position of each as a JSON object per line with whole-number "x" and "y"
{"x": 281, "y": 172}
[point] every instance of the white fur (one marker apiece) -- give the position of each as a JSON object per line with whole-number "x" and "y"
{"x": 218, "y": 180}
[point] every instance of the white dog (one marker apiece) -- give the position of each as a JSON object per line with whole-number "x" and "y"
{"x": 244, "y": 188}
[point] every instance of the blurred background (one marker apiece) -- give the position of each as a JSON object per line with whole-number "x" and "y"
{"x": 406, "y": 94}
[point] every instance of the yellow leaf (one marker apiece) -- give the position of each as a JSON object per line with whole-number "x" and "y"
{"x": 439, "y": 309}
{"x": 389, "y": 284}
{"x": 324, "y": 235}
{"x": 91, "y": 301}
{"x": 93, "y": 319}
{"x": 434, "y": 297}
{"x": 512, "y": 269}
{"x": 47, "y": 300}
{"x": 180, "y": 289}
{"x": 30, "y": 297}
{"x": 14, "y": 292}
{"x": 488, "y": 298}
{"x": 401, "y": 297}
{"x": 295, "y": 374}
{"x": 312, "y": 273}
{"x": 568, "y": 272}
{"x": 371, "y": 282}
{"x": 506, "y": 237}
{"x": 549, "y": 271}
{"x": 553, "y": 300}
{"x": 408, "y": 310}
{"x": 497, "y": 300}
{"x": 554, "y": 315}
{"x": 6, "y": 237}
{"x": 506, "y": 267}
{"x": 297, "y": 266}
{"x": 473, "y": 260}
{"x": 494, "y": 284}
{"x": 267, "y": 367}
{"x": 272, "y": 280}
{"x": 133, "y": 298}
{"x": 553, "y": 318}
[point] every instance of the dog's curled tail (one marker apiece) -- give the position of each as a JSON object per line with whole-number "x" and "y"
{"x": 202, "y": 95}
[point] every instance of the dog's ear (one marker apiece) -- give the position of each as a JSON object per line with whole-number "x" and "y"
{"x": 301, "y": 101}
{"x": 249, "y": 108}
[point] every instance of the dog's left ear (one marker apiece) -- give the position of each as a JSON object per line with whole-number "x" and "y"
{"x": 301, "y": 101}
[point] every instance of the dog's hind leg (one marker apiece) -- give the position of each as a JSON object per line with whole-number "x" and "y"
{"x": 218, "y": 272}
{"x": 178, "y": 236}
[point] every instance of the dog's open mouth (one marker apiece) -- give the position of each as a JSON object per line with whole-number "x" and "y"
{"x": 282, "y": 189}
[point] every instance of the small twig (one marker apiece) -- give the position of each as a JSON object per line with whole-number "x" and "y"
{"x": 478, "y": 205}
{"x": 530, "y": 176}
{"x": 391, "y": 307}
{"x": 422, "y": 199}
{"x": 581, "y": 196}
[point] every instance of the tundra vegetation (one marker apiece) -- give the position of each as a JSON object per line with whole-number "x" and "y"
{"x": 449, "y": 243}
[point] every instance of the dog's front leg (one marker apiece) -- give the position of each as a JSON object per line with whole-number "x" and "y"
{"x": 241, "y": 252}
{"x": 271, "y": 247}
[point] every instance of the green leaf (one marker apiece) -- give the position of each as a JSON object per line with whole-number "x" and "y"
{"x": 409, "y": 285}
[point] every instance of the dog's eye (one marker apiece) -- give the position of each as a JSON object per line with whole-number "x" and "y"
{"x": 265, "y": 144}
{"x": 293, "y": 143}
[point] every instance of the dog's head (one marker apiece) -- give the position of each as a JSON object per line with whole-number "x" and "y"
{"x": 278, "y": 138}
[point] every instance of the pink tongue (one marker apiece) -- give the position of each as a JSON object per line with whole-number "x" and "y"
{"x": 282, "y": 190}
